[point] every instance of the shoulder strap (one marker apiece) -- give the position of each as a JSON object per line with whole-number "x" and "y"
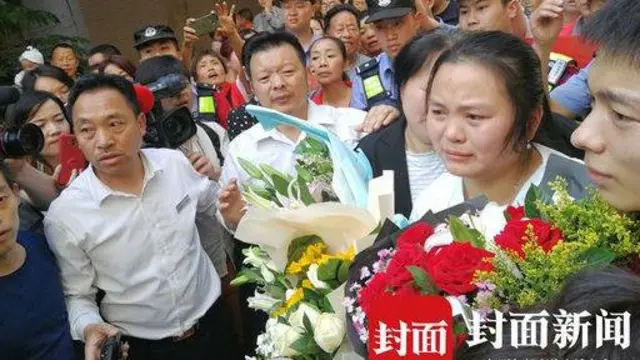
{"x": 215, "y": 139}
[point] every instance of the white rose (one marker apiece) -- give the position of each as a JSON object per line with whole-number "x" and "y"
{"x": 283, "y": 337}
{"x": 297, "y": 317}
{"x": 492, "y": 221}
{"x": 441, "y": 236}
{"x": 260, "y": 301}
{"x": 312, "y": 274}
{"x": 329, "y": 332}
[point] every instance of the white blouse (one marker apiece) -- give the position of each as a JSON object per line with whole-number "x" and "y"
{"x": 448, "y": 189}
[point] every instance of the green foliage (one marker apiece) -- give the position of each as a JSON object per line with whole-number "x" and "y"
{"x": 15, "y": 20}
{"x": 592, "y": 221}
{"x": 463, "y": 233}
{"x": 422, "y": 280}
{"x": 595, "y": 234}
{"x": 313, "y": 167}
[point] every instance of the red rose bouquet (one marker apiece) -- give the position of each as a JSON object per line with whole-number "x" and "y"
{"x": 497, "y": 258}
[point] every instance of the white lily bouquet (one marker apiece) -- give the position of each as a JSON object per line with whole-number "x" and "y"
{"x": 304, "y": 243}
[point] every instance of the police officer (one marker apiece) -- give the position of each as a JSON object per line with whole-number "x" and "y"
{"x": 395, "y": 22}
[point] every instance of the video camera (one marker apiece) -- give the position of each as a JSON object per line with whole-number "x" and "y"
{"x": 17, "y": 142}
{"x": 169, "y": 129}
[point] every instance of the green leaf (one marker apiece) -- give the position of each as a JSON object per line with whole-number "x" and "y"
{"x": 307, "y": 324}
{"x": 326, "y": 305}
{"x": 462, "y": 233}
{"x": 250, "y": 169}
{"x": 530, "y": 208}
{"x": 459, "y": 328}
{"x": 343, "y": 271}
{"x": 299, "y": 245}
{"x": 305, "y": 195}
{"x": 260, "y": 191}
{"x": 598, "y": 257}
{"x": 422, "y": 280}
{"x": 247, "y": 276}
{"x": 329, "y": 270}
{"x": 280, "y": 184}
{"x": 270, "y": 171}
{"x": 275, "y": 291}
{"x": 304, "y": 173}
{"x": 306, "y": 345}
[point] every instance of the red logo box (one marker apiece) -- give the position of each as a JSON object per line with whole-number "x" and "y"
{"x": 410, "y": 327}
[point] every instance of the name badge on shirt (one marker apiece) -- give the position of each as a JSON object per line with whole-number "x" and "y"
{"x": 183, "y": 203}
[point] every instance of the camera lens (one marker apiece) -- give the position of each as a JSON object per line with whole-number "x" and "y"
{"x": 27, "y": 140}
{"x": 31, "y": 139}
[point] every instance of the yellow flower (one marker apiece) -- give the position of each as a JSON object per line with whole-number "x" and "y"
{"x": 295, "y": 298}
{"x": 343, "y": 256}
{"x": 347, "y": 255}
{"x": 312, "y": 254}
{"x": 280, "y": 312}
{"x": 307, "y": 284}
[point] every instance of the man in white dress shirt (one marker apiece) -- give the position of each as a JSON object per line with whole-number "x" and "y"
{"x": 275, "y": 65}
{"x": 126, "y": 225}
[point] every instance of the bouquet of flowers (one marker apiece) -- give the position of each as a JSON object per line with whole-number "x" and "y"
{"x": 493, "y": 259}
{"x": 305, "y": 243}
{"x": 270, "y": 188}
{"x": 303, "y": 321}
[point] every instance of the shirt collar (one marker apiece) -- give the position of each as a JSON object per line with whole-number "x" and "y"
{"x": 100, "y": 191}
{"x": 385, "y": 63}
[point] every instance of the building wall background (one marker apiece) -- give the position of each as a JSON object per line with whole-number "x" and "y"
{"x": 115, "y": 21}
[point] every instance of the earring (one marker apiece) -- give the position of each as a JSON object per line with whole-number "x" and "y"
{"x": 528, "y": 145}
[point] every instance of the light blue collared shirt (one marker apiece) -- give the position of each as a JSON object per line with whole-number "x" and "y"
{"x": 574, "y": 95}
{"x": 385, "y": 67}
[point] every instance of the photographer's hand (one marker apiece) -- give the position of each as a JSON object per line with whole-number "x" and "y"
{"x": 40, "y": 187}
{"x": 95, "y": 336}
{"x": 204, "y": 166}
{"x": 231, "y": 204}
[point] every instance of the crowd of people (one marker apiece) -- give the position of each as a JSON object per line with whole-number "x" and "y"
{"x": 454, "y": 96}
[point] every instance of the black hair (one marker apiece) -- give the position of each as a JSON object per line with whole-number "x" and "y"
{"x": 245, "y": 13}
{"x": 156, "y": 67}
{"x": 267, "y": 41}
{"x": 93, "y": 82}
{"x": 418, "y": 51}
{"x": 616, "y": 29}
{"x": 611, "y": 289}
{"x": 29, "y": 103}
{"x": 460, "y": 2}
{"x": 338, "y": 42}
{"x": 202, "y": 55}
{"x": 514, "y": 63}
{"x": 106, "y": 49}
{"x": 119, "y": 61}
{"x": 63, "y": 46}
{"x": 340, "y": 9}
{"x": 30, "y": 77}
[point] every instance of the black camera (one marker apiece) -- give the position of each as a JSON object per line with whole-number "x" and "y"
{"x": 23, "y": 141}
{"x": 169, "y": 129}
{"x": 111, "y": 348}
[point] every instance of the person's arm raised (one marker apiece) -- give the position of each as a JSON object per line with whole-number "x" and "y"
{"x": 546, "y": 24}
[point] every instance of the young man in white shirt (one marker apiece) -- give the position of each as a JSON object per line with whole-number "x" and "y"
{"x": 127, "y": 225}
{"x": 275, "y": 65}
